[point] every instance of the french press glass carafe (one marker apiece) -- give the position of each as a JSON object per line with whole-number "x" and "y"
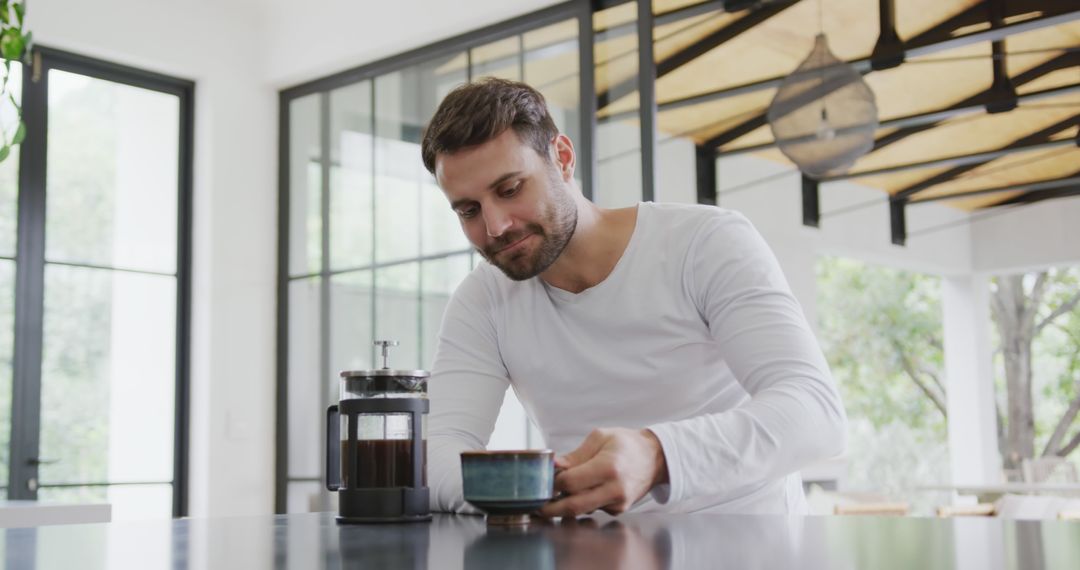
{"x": 376, "y": 444}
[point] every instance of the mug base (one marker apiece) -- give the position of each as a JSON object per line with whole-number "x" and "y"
{"x": 509, "y": 520}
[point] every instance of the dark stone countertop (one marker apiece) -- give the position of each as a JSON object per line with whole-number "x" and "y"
{"x": 743, "y": 542}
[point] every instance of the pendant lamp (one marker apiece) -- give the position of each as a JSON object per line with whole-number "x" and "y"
{"x": 823, "y": 115}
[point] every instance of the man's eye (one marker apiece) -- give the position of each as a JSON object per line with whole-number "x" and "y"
{"x": 468, "y": 212}
{"x": 511, "y": 190}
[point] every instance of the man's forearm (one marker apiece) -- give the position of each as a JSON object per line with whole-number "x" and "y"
{"x": 779, "y": 431}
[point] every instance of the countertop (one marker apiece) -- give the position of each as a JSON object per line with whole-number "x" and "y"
{"x": 37, "y": 513}
{"x": 742, "y": 542}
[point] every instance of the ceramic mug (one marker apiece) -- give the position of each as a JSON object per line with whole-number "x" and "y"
{"x": 508, "y": 483}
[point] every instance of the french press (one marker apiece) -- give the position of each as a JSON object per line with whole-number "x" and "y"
{"x": 376, "y": 444}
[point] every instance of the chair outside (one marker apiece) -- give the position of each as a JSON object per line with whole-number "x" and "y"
{"x": 976, "y": 510}
{"x": 876, "y": 509}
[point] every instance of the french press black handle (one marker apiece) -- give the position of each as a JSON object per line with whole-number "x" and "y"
{"x": 333, "y": 448}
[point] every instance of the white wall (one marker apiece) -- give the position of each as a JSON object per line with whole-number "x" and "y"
{"x": 218, "y": 46}
{"x": 318, "y": 37}
{"x": 1030, "y": 237}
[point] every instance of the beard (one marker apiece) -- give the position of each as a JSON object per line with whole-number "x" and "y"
{"x": 557, "y": 227}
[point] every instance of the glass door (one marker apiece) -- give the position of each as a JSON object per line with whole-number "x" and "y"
{"x": 102, "y": 293}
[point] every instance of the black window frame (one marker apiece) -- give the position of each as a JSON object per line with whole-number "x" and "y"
{"x": 30, "y": 266}
{"x": 581, "y": 10}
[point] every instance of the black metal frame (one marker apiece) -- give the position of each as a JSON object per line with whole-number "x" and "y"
{"x": 889, "y": 49}
{"x": 281, "y": 410}
{"x": 29, "y": 290}
{"x": 811, "y": 205}
{"x": 586, "y": 151}
{"x": 30, "y": 269}
{"x": 647, "y": 110}
{"x": 573, "y": 9}
{"x": 705, "y": 169}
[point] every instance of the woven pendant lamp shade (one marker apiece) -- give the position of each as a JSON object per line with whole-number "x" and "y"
{"x": 824, "y": 115}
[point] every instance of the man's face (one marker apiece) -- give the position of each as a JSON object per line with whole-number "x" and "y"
{"x": 513, "y": 204}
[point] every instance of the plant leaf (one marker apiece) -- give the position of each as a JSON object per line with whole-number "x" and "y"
{"x": 17, "y": 45}
{"x": 20, "y": 134}
{"x": 9, "y": 41}
{"x": 4, "y": 152}
{"x": 20, "y": 11}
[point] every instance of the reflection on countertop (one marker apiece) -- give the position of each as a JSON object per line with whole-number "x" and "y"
{"x": 644, "y": 542}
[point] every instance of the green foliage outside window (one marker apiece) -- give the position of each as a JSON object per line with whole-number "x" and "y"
{"x": 881, "y": 330}
{"x": 14, "y": 46}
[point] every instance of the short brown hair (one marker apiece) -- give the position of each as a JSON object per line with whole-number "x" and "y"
{"x": 477, "y": 112}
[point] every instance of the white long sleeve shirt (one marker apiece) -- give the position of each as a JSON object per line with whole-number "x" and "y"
{"x": 695, "y": 335}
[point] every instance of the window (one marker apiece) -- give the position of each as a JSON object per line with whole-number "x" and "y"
{"x": 101, "y": 288}
{"x": 882, "y": 331}
{"x": 9, "y": 213}
{"x": 371, "y": 247}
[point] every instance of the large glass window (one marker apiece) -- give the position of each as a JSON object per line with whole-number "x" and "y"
{"x": 618, "y": 134}
{"x": 374, "y": 250}
{"x": 102, "y": 298}
{"x": 882, "y": 332}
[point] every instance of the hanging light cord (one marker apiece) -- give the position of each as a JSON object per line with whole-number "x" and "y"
{"x": 820, "y": 18}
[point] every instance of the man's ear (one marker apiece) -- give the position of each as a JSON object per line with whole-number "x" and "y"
{"x": 565, "y": 157}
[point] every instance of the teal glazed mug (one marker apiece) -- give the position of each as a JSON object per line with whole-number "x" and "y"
{"x": 508, "y": 485}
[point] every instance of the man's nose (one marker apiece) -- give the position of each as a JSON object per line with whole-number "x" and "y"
{"x": 496, "y": 221}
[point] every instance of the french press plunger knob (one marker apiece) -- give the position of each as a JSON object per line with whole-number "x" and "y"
{"x": 386, "y": 344}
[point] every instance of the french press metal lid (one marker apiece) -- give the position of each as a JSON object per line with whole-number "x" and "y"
{"x": 361, "y": 383}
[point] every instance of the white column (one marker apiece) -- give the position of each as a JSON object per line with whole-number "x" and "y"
{"x": 969, "y": 381}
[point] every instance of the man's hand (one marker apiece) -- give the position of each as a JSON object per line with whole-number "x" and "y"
{"x": 611, "y": 470}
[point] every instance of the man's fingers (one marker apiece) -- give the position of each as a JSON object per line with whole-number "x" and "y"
{"x": 582, "y": 503}
{"x": 592, "y": 473}
{"x": 584, "y": 452}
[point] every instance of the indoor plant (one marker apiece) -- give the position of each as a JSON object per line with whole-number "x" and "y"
{"x": 14, "y": 46}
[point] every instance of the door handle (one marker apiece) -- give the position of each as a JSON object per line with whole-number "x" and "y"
{"x": 37, "y": 461}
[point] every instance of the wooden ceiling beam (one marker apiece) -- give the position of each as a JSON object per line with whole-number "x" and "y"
{"x": 981, "y": 100}
{"x": 959, "y": 163}
{"x": 913, "y": 124}
{"x": 1038, "y": 196}
{"x": 1054, "y": 183}
{"x": 1033, "y": 141}
{"x": 908, "y": 125}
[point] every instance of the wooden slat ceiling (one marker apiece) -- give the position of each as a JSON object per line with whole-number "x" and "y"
{"x": 777, "y": 45}
{"x": 774, "y": 46}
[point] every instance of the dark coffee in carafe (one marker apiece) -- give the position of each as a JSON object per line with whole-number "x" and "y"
{"x": 383, "y": 463}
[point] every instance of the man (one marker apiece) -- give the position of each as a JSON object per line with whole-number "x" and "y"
{"x": 657, "y": 347}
